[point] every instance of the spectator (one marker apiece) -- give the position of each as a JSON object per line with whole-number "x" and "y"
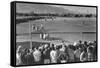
{"x": 90, "y": 53}
{"x": 18, "y": 55}
{"x": 53, "y": 55}
{"x": 46, "y": 54}
{"x": 70, "y": 54}
{"x": 37, "y": 56}
{"x": 77, "y": 54}
{"x": 84, "y": 55}
{"x": 63, "y": 56}
{"x": 63, "y": 53}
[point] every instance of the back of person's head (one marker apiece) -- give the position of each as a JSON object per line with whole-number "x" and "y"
{"x": 85, "y": 42}
{"x": 39, "y": 49}
{"x": 53, "y": 48}
{"x": 28, "y": 51}
{"x": 90, "y": 49}
{"x": 33, "y": 47}
{"x": 80, "y": 41}
{"x": 94, "y": 41}
{"x": 61, "y": 46}
{"x": 57, "y": 47}
{"x": 70, "y": 46}
{"x": 52, "y": 45}
{"x": 65, "y": 46}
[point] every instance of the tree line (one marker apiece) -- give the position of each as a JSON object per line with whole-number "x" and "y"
{"x": 56, "y": 14}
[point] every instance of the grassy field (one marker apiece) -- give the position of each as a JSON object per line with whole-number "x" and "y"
{"x": 74, "y": 25}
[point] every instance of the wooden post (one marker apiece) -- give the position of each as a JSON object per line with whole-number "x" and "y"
{"x": 82, "y": 35}
{"x": 30, "y": 34}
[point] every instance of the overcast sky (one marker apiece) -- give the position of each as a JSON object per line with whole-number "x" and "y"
{"x": 26, "y": 7}
{"x": 78, "y": 8}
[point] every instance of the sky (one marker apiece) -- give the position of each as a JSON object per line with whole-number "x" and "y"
{"x": 78, "y": 9}
{"x": 26, "y": 7}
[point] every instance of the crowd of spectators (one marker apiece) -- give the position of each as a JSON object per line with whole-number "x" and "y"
{"x": 51, "y": 53}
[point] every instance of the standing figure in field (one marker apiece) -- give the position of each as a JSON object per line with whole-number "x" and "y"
{"x": 44, "y": 36}
{"x": 34, "y": 27}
